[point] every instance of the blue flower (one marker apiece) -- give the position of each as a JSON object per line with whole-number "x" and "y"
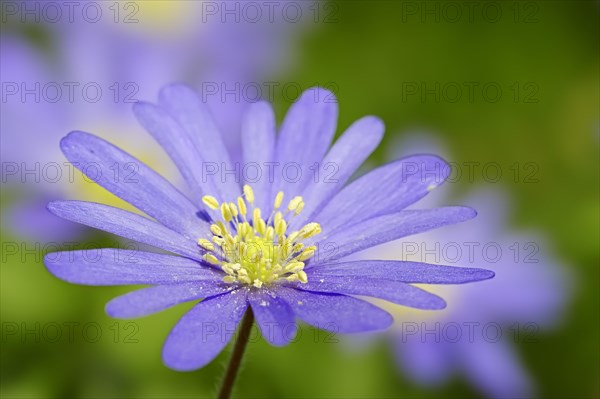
{"x": 120, "y": 63}
{"x": 276, "y": 244}
{"x": 472, "y": 336}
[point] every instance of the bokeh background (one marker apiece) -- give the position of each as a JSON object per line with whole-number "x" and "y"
{"x": 508, "y": 87}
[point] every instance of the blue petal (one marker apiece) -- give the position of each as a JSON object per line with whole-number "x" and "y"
{"x": 145, "y": 189}
{"x": 125, "y": 224}
{"x": 334, "y": 312}
{"x": 195, "y": 119}
{"x": 258, "y": 144}
{"x": 204, "y": 331}
{"x": 344, "y": 158}
{"x": 111, "y": 266}
{"x": 178, "y": 144}
{"x": 393, "y": 291}
{"x": 155, "y": 299}
{"x": 385, "y": 190}
{"x": 306, "y": 134}
{"x": 387, "y": 228}
{"x": 406, "y": 272}
{"x": 274, "y": 317}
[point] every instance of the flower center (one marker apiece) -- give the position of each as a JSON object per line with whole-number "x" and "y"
{"x": 255, "y": 251}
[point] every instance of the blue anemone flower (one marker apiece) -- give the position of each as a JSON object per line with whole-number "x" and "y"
{"x": 275, "y": 244}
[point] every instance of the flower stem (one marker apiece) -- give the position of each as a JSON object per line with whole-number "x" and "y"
{"x": 238, "y": 353}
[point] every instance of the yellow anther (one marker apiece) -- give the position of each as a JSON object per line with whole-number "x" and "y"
{"x": 302, "y": 277}
{"x": 249, "y": 193}
{"x": 222, "y": 227}
{"x": 310, "y": 230}
{"x": 229, "y": 279}
{"x": 210, "y": 202}
{"x": 207, "y": 245}
{"x": 307, "y": 253}
{"x": 210, "y": 258}
{"x": 257, "y": 283}
{"x": 270, "y": 233}
{"x": 261, "y": 227}
{"x": 255, "y": 216}
{"x": 280, "y": 227}
{"x": 216, "y": 230}
{"x": 277, "y": 268}
{"x": 299, "y": 208}
{"x": 278, "y": 199}
{"x": 277, "y": 218}
{"x": 294, "y": 267}
{"x": 287, "y": 249}
{"x": 248, "y": 229}
{"x": 293, "y": 236}
{"x": 233, "y": 209}
{"x": 229, "y": 240}
{"x": 294, "y": 203}
{"x": 241, "y": 229}
{"x": 297, "y": 247}
{"x": 226, "y": 212}
{"x": 245, "y": 279}
{"x": 242, "y": 206}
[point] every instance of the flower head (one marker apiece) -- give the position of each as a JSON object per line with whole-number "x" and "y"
{"x": 276, "y": 243}
{"x": 258, "y": 252}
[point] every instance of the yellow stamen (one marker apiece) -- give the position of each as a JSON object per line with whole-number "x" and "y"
{"x": 215, "y": 229}
{"x": 249, "y": 194}
{"x": 299, "y": 208}
{"x": 226, "y": 212}
{"x": 258, "y": 252}
{"x": 210, "y": 202}
{"x": 210, "y": 258}
{"x": 294, "y": 203}
{"x": 242, "y": 206}
{"x": 278, "y": 200}
{"x": 233, "y": 210}
{"x": 255, "y": 216}
{"x": 204, "y": 243}
{"x": 280, "y": 227}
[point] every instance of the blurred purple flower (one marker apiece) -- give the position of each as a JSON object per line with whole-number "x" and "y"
{"x": 27, "y": 122}
{"x": 126, "y": 61}
{"x": 30, "y": 219}
{"x": 473, "y": 335}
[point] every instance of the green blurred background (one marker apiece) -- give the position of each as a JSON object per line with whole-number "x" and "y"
{"x": 370, "y": 53}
